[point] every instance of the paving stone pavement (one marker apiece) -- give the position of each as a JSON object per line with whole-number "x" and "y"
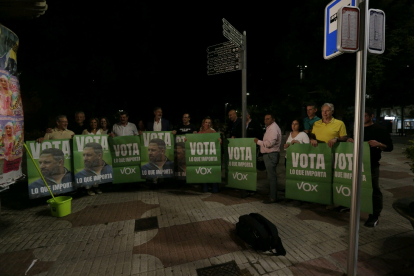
{"x": 197, "y": 230}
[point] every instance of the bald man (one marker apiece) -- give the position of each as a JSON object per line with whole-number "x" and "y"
{"x": 234, "y": 123}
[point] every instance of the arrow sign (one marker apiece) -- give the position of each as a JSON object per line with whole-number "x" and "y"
{"x": 232, "y": 38}
{"x": 225, "y": 56}
{"x": 231, "y": 65}
{"x": 222, "y": 61}
{"x": 224, "y": 45}
{"x": 224, "y": 51}
{"x": 232, "y": 29}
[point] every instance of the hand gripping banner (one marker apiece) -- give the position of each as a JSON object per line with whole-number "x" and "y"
{"x": 126, "y": 159}
{"x": 309, "y": 173}
{"x": 203, "y": 158}
{"x": 241, "y": 163}
{"x": 54, "y": 158}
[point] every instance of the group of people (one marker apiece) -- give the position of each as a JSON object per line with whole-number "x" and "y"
{"x": 329, "y": 130}
{"x": 311, "y": 129}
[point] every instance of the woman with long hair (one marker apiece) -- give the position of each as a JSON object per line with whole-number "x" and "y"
{"x": 105, "y": 125}
{"x": 297, "y": 136}
{"x": 93, "y": 128}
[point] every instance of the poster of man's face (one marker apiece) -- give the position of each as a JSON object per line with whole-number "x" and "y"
{"x": 180, "y": 153}
{"x": 49, "y": 166}
{"x": 91, "y": 159}
{"x": 155, "y": 154}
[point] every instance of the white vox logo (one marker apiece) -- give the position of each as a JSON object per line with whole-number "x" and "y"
{"x": 307, "y": 187}
{"x": 127, "y": 171}
{"x": 239, "y": 176}
{"x": 343, "y": 190}
{"x": 203, "y": 170}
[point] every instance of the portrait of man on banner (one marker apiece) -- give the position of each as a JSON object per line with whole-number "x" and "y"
{"x": 96, "y": 170}
{"x": 52, "y": 167}
{"x": 159, "y": 165}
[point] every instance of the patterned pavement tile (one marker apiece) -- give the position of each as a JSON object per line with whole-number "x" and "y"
{"x": 17, "y": 262}
{"x": 231, "y": 197}
{"x": 402, "y": 192}
{"x": 395, "y": 175}
{"x": 191, "y": 242}
{"x": 106, "y": 213}
{"x": 313, "y": 211}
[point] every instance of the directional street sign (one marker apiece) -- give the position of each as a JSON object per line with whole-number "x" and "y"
{"x": 231, "y": 33}
{"x": 232, "y": 38}
{"x": 224, "y": 57}
{"x": 232, "y": 29}
{"x": 223, "y": 53}
{"x": 217, "y": 47}
{"x": 222, "y": 61}
{"x": 223, "y": 69}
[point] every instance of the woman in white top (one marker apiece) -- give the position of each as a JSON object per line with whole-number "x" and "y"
{"x": 105, "y": 126}
{"x": 93, "y": 128}
{"x": 297, "y": 136}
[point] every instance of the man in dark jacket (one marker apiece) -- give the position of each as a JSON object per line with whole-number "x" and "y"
{"x": 159, "y": 124}
{"x": 379, "y": 140}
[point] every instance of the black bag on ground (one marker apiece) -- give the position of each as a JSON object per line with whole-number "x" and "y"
{"x": 258, "y": 232}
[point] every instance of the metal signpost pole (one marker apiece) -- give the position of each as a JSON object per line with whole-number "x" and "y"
{"x": 360, "y": 85}
{"x": 244, "y": 86}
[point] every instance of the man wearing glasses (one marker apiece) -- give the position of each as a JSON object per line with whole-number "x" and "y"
{"x": 186, "y": 126}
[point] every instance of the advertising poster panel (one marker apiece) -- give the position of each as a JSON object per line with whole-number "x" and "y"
{"x": 126, "y": 159}
{"x": 309, "y": 173}
{"x": 203, "y": 158}
{"x": 157, "y": 154}
{"x": 241, "y": 163}
{"x": 92, "y": 160}
{"x": 11, "y": 110}
{"x": 54, "y": 159}
{"x": 342, "y": 180}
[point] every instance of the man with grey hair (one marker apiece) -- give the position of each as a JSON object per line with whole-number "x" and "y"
{"x": 253, "y": 128}
{"x": 328, "y": 130}
{"x": 96, "y": 170}
{"x": 79, "y": 125}
{"x": 59, "y": 132}
{"x": 159, "y": 166}
{"x": 58, "y": 178}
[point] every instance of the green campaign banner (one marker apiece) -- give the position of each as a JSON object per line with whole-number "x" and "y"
{"x": 157, "y": 154}
{"x": 309, "y": 173}
{"x": 92, "y": 160}
{"x": 241, "y": 163}
{"x": 342, "y": 180}
{"x": 126, "y": 159}
{"x": 54, "y": 159}
{"x": 180, "y": 169}
{"x": 203, "y": 158}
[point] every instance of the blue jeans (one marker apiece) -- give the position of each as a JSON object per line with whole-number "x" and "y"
{"x": 271, "y": 160}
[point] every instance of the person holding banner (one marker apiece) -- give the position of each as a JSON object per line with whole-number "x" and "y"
{"x": 58, "y": 178}
{"x": 124, "y": 128}
{"x": 93, "y": 128}
{"x": 233, "y": 125}
{"x": 297, "y": 136}
{"x": 328, "y": 130}
{"x": 159, "y": 124}
{"x": 181, "y": 167}
{"x": 206, "y": 128}
{"x": 270, "y": 147}
{"x": 79, "y": 119}
{"x": 311, "y": 118}
{"x": 105, "y": 126}
{"x": 186, "y": 126}
{"x": 59, "y": 132}
{"x": 379, "y": 140}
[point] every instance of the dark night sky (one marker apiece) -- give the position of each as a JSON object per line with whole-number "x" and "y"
{"x": 135, "y": 55}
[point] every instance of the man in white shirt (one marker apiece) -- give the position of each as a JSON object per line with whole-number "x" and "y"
{"x": 270, "y": 147}
{"x": 124, "y": 128}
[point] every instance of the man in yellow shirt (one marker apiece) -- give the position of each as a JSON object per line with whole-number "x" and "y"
{"x": 328, "y": 130}
{"x": 59, "y": 132}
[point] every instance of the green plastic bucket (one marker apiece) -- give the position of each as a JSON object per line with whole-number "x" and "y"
{"x": 60, "y": 206}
